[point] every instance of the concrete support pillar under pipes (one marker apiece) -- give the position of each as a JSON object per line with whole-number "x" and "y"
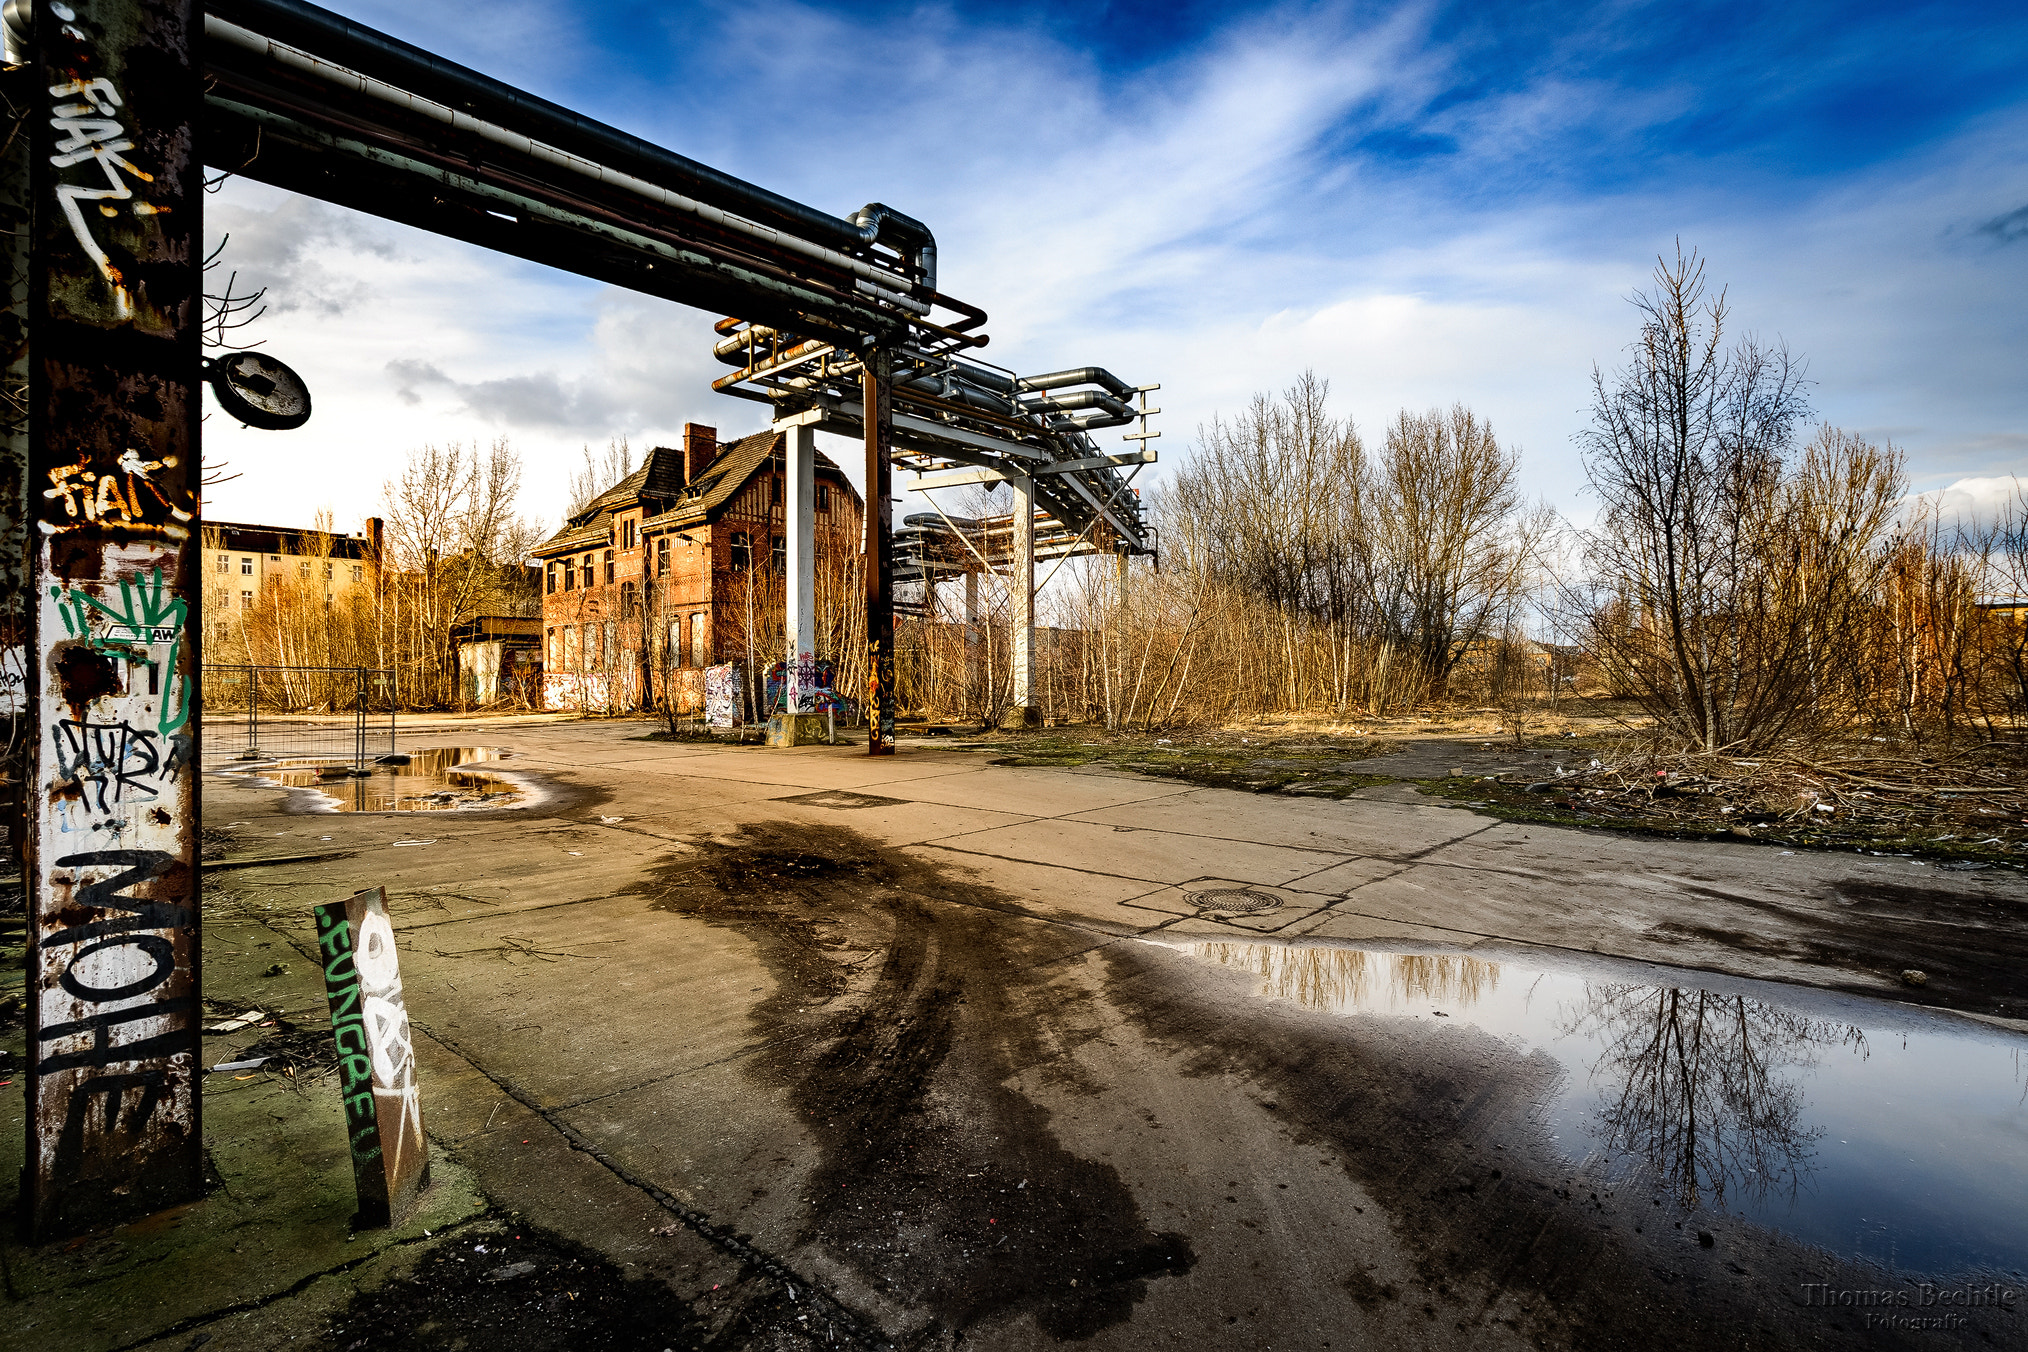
{"x": 799, "y": 453}
{"x": 1022, "y": 711}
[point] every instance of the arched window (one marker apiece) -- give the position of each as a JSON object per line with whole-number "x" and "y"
{"x": 585, "y": 574}
{"x": 742, "y": 551}
{"x": 612, "y": 572}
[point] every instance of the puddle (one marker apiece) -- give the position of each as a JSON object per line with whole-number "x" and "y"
{"x": 1882, "y": 1132}
{"x": 435, "y": 780}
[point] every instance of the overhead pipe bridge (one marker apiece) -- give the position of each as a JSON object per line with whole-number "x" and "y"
{"x": 121, "y": 104}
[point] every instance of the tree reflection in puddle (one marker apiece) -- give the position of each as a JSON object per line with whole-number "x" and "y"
{"x": 1700, "y": 1085}
{"x": 1870, "y": 1128}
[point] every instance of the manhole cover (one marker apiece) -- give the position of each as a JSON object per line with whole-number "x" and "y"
{"x": 1236, "y": 899}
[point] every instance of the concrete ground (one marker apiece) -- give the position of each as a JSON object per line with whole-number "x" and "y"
{"x": 803, "y": 1048}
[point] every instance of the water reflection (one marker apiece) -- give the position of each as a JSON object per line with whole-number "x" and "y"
{"x": 1874, "y": 1138}
{"x": 432, "y": 780}
{"x": 1706, "y": 1088}
{"x": 1345, "y": 978}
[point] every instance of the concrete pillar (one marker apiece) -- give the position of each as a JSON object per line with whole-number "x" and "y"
{"x": 1022, "y": 711}
{"x": 113, "y": 1108}
{"x": 973, "y": 633}
{"x": 799, "y": 452}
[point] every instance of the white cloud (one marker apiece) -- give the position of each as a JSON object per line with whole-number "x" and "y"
{"x": 1195, "y": 223}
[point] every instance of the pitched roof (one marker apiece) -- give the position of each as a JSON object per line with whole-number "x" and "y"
{"x": 661, "y": 478}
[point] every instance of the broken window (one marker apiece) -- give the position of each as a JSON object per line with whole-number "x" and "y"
{"x": 742, "y": 551}
{"x": 626, "y": 598}
{"x": 662, "y": 557}
{"x": 611, "y": 572}
{"x": 778, "y": 555}
{"x": 552, "y": 577}
{"x": 823, "y": 497}
{"x": 585, "y": 573}
{"x": 627, "y": 537}
{"x": 553, "y": 656}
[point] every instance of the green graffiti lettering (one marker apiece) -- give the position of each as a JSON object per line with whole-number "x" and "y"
{"x": 149, "y": 614}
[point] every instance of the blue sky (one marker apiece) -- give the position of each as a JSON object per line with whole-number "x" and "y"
{"x": 1422, "y": 202}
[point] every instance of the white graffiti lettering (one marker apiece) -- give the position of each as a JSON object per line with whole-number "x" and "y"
{"x": 92, "y": 133}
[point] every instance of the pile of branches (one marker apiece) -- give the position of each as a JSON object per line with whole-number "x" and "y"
{"x": 1970, "y": 800}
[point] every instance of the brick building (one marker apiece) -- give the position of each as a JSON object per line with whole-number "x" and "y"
{"x": 658, "y": 577}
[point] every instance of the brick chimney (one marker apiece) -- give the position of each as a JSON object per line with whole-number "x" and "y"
{"x": 700, "y": 446}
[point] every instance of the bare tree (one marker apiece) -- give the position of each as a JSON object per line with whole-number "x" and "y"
{"x": 599, "y": 472}
{"x": 1444, "y": 514}
{"x": 1685, "y": 452}
{"x": 459, "y": 549}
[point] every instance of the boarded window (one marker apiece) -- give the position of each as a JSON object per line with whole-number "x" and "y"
{"x": 700, "y": 656}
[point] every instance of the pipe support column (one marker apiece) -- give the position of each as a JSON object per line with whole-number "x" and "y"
{"x": 1022, "y": 711}
{"x": 799, "y": 454}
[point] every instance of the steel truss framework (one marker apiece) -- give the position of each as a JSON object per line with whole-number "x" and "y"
{"x": 840, "y": 325}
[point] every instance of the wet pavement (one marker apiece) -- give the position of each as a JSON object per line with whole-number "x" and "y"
{"x": 916, "y": 1053}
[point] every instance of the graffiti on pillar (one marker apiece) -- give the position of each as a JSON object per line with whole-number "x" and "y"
{"x": 142, "y": 628}
{"x": 121, "y": 493}
{"x": 112, "y": 1047}
{"x": 94, "y": 142}
{"x": 376, "y": 1055}
{"x": 108, "y": 678}
{"x": 807, "y": 685}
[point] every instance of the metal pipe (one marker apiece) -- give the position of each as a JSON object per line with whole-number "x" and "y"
{"x": 1064, "y": 403}
{"x": 397, "y": 62}
{"x": 218, "y": 30}
{"x": 1082, "y": 375}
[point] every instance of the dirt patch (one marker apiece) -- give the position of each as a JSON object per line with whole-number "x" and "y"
{"x": 515, "y": 1287}
{"x": 895, "y": 1028}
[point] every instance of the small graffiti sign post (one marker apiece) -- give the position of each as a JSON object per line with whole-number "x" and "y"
{"x": 376, "y": 1058}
